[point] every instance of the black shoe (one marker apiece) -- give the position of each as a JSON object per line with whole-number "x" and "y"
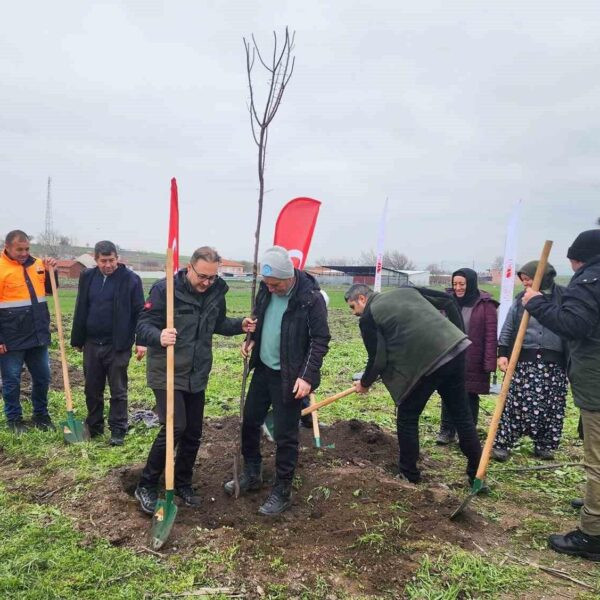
{"x": 500, "y": 454}
{"x": 250, "y": 479}
{"x": 544, "y": 454}
{"x": 577, "y": 503}
{"x": 576, "y": 543}
{"x": 188, "y": 496}
{"x": 307, "y": 421}
{"x": 117, "y": 437}
{"x": 17, "y": 426}
{"x": 279, "y": 500}
{"x": 445, "y": 437}
{"x": 148, "y": 498}
{"x": 43, "y": 422}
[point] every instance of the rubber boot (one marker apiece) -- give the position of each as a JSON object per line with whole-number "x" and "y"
{"x": 279, "y": 500}
{"x": 250, "y": 479}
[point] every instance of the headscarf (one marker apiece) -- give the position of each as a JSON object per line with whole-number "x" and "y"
{"x": 530, "y": 268}
{"x": 472, "y": 292}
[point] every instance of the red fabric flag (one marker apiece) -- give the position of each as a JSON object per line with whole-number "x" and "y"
{"x": 295, "y": 226}
{"x": 173, "y": 241}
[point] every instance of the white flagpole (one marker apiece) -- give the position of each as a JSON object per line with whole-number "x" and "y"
{"x": 509, "y": 267}
{"x": 380, "y": 248}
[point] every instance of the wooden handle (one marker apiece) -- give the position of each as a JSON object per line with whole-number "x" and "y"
{"x": 169, "y": 456}
{"x": 512, "y": 363}
{"x": 61, "y": 341}
{"x": 315, "y": 418}
{"x": 327, "y": 401}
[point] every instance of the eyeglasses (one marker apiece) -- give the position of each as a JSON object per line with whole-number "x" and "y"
{"x": 202, "y": 277}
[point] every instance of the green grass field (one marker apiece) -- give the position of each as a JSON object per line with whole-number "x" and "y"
{"x": 43, "y": 556}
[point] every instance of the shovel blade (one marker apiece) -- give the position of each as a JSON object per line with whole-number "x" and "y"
{"x": 162, "y": 520}
{"x": 73, "y": 430}
{"x": 269, "y": 427}
{"x": 476, "y": 488}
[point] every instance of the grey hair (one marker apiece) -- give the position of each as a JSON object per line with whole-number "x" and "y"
{"x": 105, "y": 248}
{"x": 356, "y": 290}
{"x": 205, "y": 253}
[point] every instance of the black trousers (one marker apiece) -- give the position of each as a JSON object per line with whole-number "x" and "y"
{"x": 448, "y": 425}
{"x": 187, "y": 426}
{"x": 265, "y": 391}
{"x": 102, "y": 363}
{"x": 449, "y": 381}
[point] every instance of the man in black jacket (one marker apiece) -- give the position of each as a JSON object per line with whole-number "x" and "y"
{"x": 291, "y": 340}
{"x": 577, "y": 319}
{"x": 110, "y": 298}
{"x": 200, "y": 311}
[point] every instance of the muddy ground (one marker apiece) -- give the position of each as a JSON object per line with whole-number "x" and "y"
{"x": 353, "y": 521}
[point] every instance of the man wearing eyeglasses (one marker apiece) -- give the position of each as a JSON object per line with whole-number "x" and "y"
{"x": 200, "y": 311}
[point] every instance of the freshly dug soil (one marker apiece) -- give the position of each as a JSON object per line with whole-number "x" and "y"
{"x": 353, "y": 521}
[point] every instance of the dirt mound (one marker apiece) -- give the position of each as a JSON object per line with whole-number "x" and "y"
{"x": 56, "y": 378}
{"x": 352, "y": 518}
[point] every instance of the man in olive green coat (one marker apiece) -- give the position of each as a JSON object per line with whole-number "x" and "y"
{"x": 416, "y": 350}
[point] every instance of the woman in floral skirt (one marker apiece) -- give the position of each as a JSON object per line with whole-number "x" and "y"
{"x": 535, "y": 405}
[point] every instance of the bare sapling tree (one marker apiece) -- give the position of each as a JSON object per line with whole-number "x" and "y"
{"x": 278, "y": 68}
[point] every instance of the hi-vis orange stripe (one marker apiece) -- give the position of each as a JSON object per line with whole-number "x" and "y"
{"x": 13, "y": 288}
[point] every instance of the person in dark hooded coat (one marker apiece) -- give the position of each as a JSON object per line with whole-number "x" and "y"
{"x": 481, "y": 323}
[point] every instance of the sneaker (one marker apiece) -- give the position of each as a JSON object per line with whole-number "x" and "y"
{"x": 577, "y": 503}
{"x": 17, "y": 426}
{"x": 445, "y": 437}
{"x": 117, "y": 437}
{"x": 500, "y": 454}
{"x": 188, "y": 496}
{"x": 148, "y": 497}
{"x": 43, "y": 422}
{"x": 576, "y": 543}
{"x": 544, "y": 454}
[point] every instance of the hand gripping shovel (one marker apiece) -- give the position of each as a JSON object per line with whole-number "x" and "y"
{"x": 514, "y": 357}
{"x": 166, "y": 510}
{"x": 322, "y": 403}
{"x": 73, "y": 429}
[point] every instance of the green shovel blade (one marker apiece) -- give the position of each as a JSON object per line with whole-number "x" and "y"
{"x": 269, "y": 426}
{"x": 73, "y": 430}
{"x": 475, "y": 489}
{"x": 163, "y": 519}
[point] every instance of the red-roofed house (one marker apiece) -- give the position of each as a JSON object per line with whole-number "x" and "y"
{"x": 231, "y": 268}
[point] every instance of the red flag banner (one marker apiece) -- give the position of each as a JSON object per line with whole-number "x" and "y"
{"x": 173, "y": 241}
{"x": 295, "y": 226}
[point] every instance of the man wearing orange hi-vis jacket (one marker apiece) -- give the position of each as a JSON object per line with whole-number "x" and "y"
{"x": 24, "y": 330}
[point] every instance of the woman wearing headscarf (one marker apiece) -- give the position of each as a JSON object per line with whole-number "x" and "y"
{"x": 535, "y": 405}
{"x": 481, "y": 324}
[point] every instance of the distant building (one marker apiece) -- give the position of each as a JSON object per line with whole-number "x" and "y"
{"x": 366, "y": 274}
{"x": 231, "y": 268}
{"x": 72, "y": 268}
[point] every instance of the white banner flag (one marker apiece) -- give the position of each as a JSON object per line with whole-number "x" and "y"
{"x": 507, "y": 290}
{"x": 380, "y": 248}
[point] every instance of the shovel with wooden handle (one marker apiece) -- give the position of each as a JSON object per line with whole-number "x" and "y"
{"x": 322, "y": 403}
{"x": 166, "y": 510}
{"x": 73, "y": 429}
{"x": 514, "y": 358}
{"x": 315, "y": 423}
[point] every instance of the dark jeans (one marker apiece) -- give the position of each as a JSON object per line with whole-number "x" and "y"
{"x": 449, "y": 381}
{"x": 265, "y": 391}
{"x": 448, "y": 426}
{"x": 100, "y": 363}
{"x": 187, "y": 427}
{"x": 11, "y": 365}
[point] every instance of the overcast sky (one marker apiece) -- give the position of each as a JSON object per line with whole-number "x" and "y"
{"x": 453, "y": 110}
